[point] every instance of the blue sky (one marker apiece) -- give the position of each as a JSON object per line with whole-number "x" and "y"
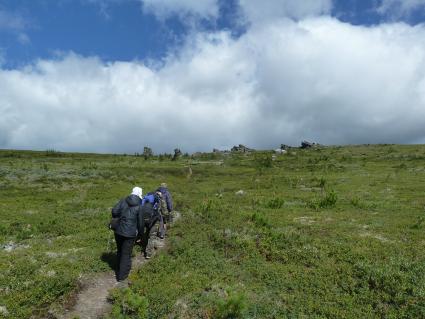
{"x": 99, "y": 75}
{"x": 124, "y": 30}
{"x": 111, "y": 30}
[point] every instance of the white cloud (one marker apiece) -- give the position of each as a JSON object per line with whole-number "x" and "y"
{"x": 253, "y": 11}
{"x": 105, "y": 7}
{"x": 400, "y": 8}
{"x": 23, "y": 38}
{"x": 281, "y": 82}
{"x": 11, "y": 21}
{"x": 15, "y": 24}
{"x": 166, "y": 8}
{"x": 2, "y": 57}
{"x": 263, "y": 11}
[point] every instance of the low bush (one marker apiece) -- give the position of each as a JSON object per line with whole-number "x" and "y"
{"x": 275, "y": 203}
{"x": 128, "y": 305}
{"x": 260, "y": 220}
{"x": 233, "y": 306}
{"x": 329, "y": 200}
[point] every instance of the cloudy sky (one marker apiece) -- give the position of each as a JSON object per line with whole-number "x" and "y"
{"x": 116, "y": 75}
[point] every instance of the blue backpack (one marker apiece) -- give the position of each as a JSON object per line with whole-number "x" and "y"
{"x": 150, "y": 204}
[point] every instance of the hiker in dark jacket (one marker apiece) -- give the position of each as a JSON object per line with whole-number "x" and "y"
{"x": 128, "y": 210}
{"x": 152, "y": 217}
{"x": 166, "y": 207}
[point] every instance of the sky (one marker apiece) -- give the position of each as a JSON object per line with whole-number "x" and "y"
{"x": 113, "y": 76}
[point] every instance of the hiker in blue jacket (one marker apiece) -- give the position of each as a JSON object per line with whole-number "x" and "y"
{"x": 152, "y": 219}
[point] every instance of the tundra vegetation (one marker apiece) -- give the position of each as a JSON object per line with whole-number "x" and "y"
{"x": 335, "y": 232}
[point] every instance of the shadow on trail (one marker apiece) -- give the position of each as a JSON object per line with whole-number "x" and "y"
{"x": 111, "y": 259}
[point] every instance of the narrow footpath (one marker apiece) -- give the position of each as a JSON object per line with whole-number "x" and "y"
{"x": 91, "y": 301}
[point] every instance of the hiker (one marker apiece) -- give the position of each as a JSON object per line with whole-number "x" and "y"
{"x": 130, "y": 225}
{"x": 152, "y": 217}
{"x": 166, "y": 207}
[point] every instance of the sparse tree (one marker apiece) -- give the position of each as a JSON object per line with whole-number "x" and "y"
{"x": 177, "y": 154}
{"x": 147, "y": 152}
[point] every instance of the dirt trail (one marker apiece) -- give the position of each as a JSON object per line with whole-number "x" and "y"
{"x": 91, "y": 301}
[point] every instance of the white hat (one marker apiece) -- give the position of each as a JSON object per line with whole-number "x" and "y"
{"x": 137, "y": 191}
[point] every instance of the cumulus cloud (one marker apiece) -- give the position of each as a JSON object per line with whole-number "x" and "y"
{"x": 252, "y": 11}
{"x": 82, "y": 104}
{"x": 256, "y": 11}
{"x": 399, "y": 8}
{"x": 166, "y": 8}
{"x": 281, "y": 82}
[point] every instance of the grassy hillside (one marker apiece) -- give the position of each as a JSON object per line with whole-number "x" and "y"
{"x": 332, "y": 232}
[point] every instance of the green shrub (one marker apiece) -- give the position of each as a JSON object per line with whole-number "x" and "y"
{"x": 358, "y": 203}
{"x": 263, "y": 161}
{"x": 419, "y": 223}
{"x": 232, "y": 307}
{"x": 322, "y": 182}
{"x": 208, "y": 207}
{"x": 328, "y": 201}
{"x": 260, "y": 220}
{"x": 275, "y": 203}
{"x": 128, "y": 304}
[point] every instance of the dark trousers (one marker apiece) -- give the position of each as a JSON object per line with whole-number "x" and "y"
{"x": 150, "y": 231}
{"x": 124, "y": 251}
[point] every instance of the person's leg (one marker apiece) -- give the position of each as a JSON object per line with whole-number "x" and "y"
{"x": 162, "y": 227}
{"x": 145, "y": 236}
{"x": 125, "y": 261}
{"x": 151, "y": 233}
{"x": 119, "y": 241}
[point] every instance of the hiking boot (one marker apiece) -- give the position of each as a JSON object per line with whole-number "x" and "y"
{"x": 147, "y": 256}
{"x": 122, "y": 284}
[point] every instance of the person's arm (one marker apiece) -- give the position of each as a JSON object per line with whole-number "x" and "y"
{"x": 169, "y": 201}
{"x": 117, "y": 209}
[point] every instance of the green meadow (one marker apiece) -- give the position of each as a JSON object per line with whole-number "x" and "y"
{"x": 332, "y": 232}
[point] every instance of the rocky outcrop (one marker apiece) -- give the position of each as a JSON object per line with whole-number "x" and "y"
{"x": 284, "y": 147}
{"x": 307, "y": 144}
{"x": 241, "y": 149}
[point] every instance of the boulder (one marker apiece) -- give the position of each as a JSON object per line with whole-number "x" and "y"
{"x": 279, "y": 151}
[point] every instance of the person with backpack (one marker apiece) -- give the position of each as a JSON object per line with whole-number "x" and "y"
{"x": 152, "y": 220}
{"x": 166, "y": 206}
{"x": 129, "y": 226}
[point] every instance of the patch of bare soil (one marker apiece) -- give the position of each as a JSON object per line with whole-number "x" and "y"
{"x": 91, "y": 301}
